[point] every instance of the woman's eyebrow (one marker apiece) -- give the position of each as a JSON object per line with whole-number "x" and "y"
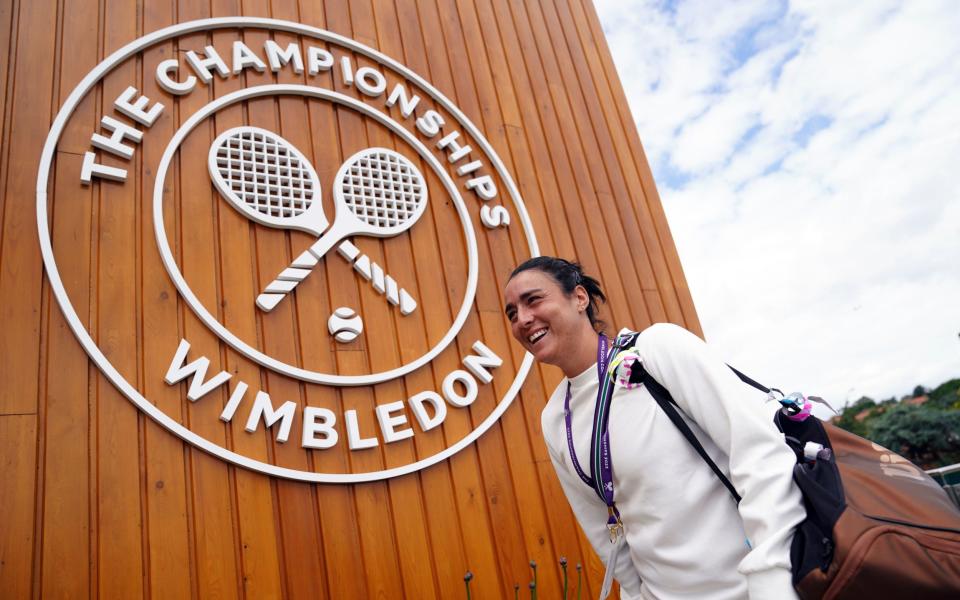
{"x": 523, "y": 298}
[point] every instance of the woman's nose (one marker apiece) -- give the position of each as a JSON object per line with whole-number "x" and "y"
{"x": 524, "y": 316}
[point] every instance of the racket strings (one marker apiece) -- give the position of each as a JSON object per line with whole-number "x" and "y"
{"x": 265, "y": 175}
{"x": 382, "y": 190}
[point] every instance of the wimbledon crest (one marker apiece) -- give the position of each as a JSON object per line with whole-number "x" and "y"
{"x": 314, "y": 146}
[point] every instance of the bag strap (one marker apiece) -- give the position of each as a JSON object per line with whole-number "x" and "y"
{"x": 667, "y": 403}
{"x": 753, "y": 383}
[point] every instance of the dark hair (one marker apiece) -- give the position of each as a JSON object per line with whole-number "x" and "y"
{"x": 568, "y": 276}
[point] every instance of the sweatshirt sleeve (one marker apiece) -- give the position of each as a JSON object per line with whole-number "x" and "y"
{"x": 738, "y": 422}
{"x": 592, "y": 516}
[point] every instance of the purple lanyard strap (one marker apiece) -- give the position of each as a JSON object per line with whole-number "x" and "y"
{"x": 601, "y": 463}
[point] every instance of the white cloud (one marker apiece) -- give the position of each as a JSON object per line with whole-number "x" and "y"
{"x": 806, "y": 155}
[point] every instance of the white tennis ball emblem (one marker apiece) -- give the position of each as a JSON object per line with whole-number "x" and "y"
{"x": 345, "y": 324}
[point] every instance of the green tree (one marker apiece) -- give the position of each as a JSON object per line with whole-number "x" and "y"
{"x": 946, "y": 395}
{"x": 928, "y": 436}
{"x": 848, "y": 420}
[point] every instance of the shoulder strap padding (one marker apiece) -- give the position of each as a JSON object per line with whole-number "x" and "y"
{"x": 666, "y": 402}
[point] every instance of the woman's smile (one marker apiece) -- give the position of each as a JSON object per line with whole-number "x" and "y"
{"x": 547, "y": 322}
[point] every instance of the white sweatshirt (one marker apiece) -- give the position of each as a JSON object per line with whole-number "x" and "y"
{"x": 686, "y": 537}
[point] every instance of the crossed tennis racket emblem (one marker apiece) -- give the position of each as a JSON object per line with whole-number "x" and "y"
{"x": 377, "y": 192}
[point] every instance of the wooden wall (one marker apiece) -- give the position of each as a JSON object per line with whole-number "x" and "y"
{"x": 99, "y": 501}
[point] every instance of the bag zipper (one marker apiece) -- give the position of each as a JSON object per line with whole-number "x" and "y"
{"x": 914, "y": 525}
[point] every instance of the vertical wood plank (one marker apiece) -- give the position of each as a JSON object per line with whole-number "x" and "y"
{"x": 338, "y": 519}
{"x": 212, "y": 501}
{"x": 65, "y": 563}
{"x": 65, "y": 556}
{"x": 20, "y": 263}
{"x": 9, "y": 16}
{"x": 296, "y": 508}
{"x": 120, "y": 518}
{"x": 406, "y": 493}
{"x": 18, "y": 455}
{"x": 168, "y": 529}
{"x": 260, "y": 544}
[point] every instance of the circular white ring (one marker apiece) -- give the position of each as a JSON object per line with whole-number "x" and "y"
{"x": 97, "y": 356}
{"x": 166, "y": 254}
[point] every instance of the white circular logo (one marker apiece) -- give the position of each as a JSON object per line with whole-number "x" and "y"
{"x": 325, "y": 213}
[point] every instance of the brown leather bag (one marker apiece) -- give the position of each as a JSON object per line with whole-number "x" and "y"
{"x": 877, "y": 526}
{"x": 893, "y": 531}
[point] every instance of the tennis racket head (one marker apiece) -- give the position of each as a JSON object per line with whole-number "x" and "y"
{"x": 381, "y": 190}
{"x": 267, "y": 179}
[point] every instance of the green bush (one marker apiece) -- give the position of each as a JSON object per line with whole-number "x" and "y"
{"x": 926, "y": 435}
{"x": 946, "y": 395}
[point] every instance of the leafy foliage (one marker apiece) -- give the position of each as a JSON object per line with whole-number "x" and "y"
{"x": 923, "y": 427}
{"x": 849, "y": 418}
{"x": 921, "y": 434}
{"x": 946, "y": 395}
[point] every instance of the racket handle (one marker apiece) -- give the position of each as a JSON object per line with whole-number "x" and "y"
{"x": 289, "y": 278}
{"x": 374, "y": 273}
{"x": 303, "y": 265}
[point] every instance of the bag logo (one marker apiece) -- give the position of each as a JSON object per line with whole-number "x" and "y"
{"x": 308, "y": 197}
{"x": 894, "y": 465}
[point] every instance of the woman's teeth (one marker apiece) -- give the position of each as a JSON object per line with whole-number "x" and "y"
{"x": 536, "y": 336}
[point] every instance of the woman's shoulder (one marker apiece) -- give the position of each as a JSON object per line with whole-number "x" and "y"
{"x": 551, "y": 417}
{"x": 555, "y": 399}
{"x": 663, "y": 333}
{"x": 663, "y": 344}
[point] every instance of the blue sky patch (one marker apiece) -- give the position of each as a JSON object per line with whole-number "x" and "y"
{"x": 810, "y": 128}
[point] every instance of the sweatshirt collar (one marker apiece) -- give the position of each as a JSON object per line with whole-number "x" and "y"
{"x": 584, "y": 379}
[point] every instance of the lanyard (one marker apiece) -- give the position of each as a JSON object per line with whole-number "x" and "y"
{"x": 600, "y": 463}
{"x": 601, "y": 371}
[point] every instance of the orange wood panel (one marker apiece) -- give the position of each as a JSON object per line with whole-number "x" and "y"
{"x": 603, "y": 225}
{"x": 443, "y": 548}
{"x": 20, "y": 262}
{"x": 9, "y": 15}
{"x": 579, "y": 116}
{"x": 171, "y": 564}
{"x": 66, "y": 549}
{"x": 563, "y": 24}
{"x": 18, "y": 458}
{"x": 115, "y": 505}
{"x": 339, "y": 521}
{"x": 601, "y": 67}
{"x": 119, "y": 501}
{"x": 66, "y": 475}
{"x": 298, "y": 519}
{"x": 213, "y": 506}
{"x": 411, "y": 534}
{"x": 380, "y": 563}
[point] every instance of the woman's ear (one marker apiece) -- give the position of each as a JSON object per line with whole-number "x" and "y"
{"x": 583, "y": 298}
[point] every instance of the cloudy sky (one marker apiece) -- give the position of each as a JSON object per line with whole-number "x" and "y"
{"x": 808, "y": 158}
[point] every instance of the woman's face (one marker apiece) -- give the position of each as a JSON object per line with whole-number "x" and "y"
{"x": 547, "y": 322}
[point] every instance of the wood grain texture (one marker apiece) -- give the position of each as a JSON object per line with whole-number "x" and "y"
{"x": 109, "y": 503}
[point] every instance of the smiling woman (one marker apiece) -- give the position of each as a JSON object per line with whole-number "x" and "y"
{"x": 665, "y": 523}
{"x": 552, "y": 307}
